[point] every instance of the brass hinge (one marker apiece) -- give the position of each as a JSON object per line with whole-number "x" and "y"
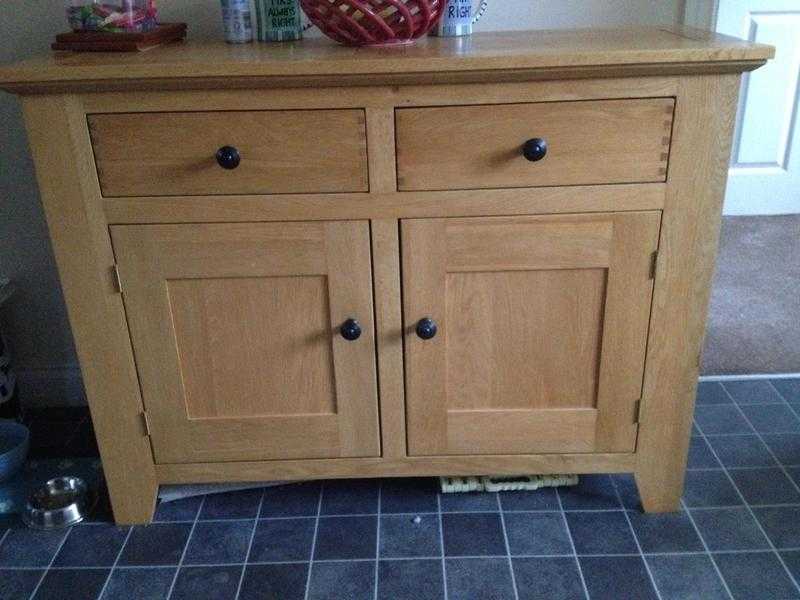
{"x": 653, "y": 264}
{"x": 145, "y": 423}
{"x": 117, "y": 279}
{"x": 637, "y": 407}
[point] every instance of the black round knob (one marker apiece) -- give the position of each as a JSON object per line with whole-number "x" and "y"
{"x": 350, "y": 330}
{"x": 228, "y": 157}
{"x": 535, "y": 150}
{"x": 427, "y": 329}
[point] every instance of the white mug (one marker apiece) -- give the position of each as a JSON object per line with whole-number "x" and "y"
{"x": 458, "y": 18}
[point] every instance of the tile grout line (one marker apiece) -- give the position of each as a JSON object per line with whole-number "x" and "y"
{"x": 386, "y": 514}
{"x": 750, "y": 377}
{"x": 784, "y": 398}
{"x": 794, "y": 412}
{"x": 408, "y": 558}
{"x": 378, "y": 540}
{"x": 250, "y": 544}
{"x": 729, "y": 506}
{"x": 729, "y": 435}
{"x": 314, "y": 540}
{"x": 186, "y": 548}
{"x": 758, "y": 468}
{"x": 572, "y": 544}
{"x": 98, "y": 568}
{"x": 441, "y": 544}
{"x": 707, "y": 549}
{"x": 508, "y": 547}
{"x": 488, "y": 512}
{"x": 116, "y": 561}
{"x": 779, "y": 402}
{"x": 635, "y": 539}
{"x": 50, "y": 564}
{"x": 759, "y": 435}
{"x": 747, "y": 506}
{"x": 785, "y": 473}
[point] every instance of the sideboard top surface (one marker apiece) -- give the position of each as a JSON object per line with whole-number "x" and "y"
{"x": 526, "y": 54}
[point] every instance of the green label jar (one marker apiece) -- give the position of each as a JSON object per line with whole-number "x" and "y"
{"x": 278, "y": 20}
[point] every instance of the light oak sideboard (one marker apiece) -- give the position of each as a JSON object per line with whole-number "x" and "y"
{"x": 488, "y": 255}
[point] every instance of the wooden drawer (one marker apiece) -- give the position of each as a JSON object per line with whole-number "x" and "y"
{"x": 588, "y": 142}
{"x": 281, "y": 152}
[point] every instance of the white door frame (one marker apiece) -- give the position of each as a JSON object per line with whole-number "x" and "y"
{"x": 700, "y": 13}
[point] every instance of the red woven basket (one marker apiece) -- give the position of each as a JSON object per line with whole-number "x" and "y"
{"x": 374, "y": 22}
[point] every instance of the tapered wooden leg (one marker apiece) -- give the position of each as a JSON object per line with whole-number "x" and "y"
{"x": 701, "y": 143}
{"x": 134, "y": 507}
{"x": 70, "y": 193}
{"x": 660, "y": 480}
{"x": 656, "y": 498}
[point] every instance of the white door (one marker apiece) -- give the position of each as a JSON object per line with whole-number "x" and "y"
{"x": 765, "y": 169}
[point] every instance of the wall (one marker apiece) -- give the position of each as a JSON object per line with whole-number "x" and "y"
{"x": 700, "y": 13}
{"x": 35, "y": 319}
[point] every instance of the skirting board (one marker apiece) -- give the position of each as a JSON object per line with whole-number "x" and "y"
{"x": 55, "y": 386}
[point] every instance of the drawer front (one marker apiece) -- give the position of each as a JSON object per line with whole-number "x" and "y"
{"x": 280, "y": 152}
{"x": 587, "y": 142}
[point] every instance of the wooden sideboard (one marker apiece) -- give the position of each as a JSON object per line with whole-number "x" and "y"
{"x": 467, "y": 256}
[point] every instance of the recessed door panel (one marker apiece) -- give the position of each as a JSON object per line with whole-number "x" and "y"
{"x": 495, "y": 317}
{"x": 247, "y": 351}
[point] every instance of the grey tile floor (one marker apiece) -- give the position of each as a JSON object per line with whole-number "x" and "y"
{"x": 737, "y": 535}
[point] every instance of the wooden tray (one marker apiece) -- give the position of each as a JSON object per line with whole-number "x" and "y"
{"x": 95, "y": 41}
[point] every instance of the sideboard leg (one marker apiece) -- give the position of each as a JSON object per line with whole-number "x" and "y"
{"x": 136, "y": 507}
{"x": 660, "y": 490}
{"x": 703, "y": 126}
{"x": 70, "y": 192}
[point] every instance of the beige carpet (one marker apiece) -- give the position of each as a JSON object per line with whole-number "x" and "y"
{"x": 754, "y": 325}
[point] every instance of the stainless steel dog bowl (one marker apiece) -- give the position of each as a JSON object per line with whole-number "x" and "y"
{"x": 61, "y": 502}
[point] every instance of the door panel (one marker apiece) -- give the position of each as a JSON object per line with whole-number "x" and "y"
{"x": 765, "y": 169}
{"x": 222, "y": 350}
{"x": 542, "y": 331}
{"x": 235, "y": 329}
{"x": 480, "y": 338}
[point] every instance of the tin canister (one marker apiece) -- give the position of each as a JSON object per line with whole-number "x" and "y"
{"x": 237, "y": 21}
{"x": 458, "y": 18}
{"x": 278, "y": 20}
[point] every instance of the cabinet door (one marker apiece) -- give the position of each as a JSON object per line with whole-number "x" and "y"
{"x": 236, "y": 332}
{"x": 542, "y": 326}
